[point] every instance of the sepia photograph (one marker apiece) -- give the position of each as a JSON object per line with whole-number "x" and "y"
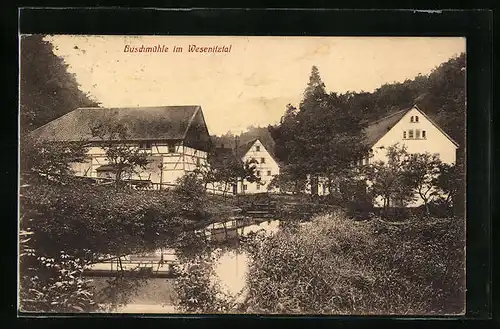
{"x": 242, "y": 175}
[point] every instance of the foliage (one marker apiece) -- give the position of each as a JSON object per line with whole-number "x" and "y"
{"x": 52, "y": 284}
{"x": 123, "y": 158}
{"x": 389, "y": 179}
{"x": 225, "y": 169}
{"x": 231, "y": 140}
{"x": 191, "y": 195}
{"x": 92, "y": 221}
{"x": 41, "y": 160}
{"x": 449, "y": 182}
{"x": 323, "y": 137}
{"x": 422, "y": 172}
{"x": 338, "y": 266}
{"x": 287, "y": 181}
{"x": 47, "y": 89}
{"x": 197, "y": 287}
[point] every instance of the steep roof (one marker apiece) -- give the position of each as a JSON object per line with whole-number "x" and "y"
{"x": 377, "y": 129}
{"x": 243, "y": 149}
{"x": 142, "y": 123}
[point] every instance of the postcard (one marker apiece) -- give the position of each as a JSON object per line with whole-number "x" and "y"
{"x": 242, "y": 175}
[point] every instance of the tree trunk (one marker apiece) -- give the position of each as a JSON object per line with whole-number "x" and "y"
{"x": 118, "y": 178}
{"x": 427, "y": 210}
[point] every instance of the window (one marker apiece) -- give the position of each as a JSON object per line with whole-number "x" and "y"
{"x": 411, "y": 119}
{"x": 244, "y": 187}
{"x": 416, "y": 118}
{"x": 257, "y": 173}
{"x": 269, "y": 173}
{"x": 404, "y": 134}
{"x": 417, "y": 133}
{"x": 423, "y": 134}
{"x": 145, "y": 145}
{"x": 262, "y": 160}
{"x": 257, "y": 148}
{"x": 171, "y": 148}
{"x": 410, "y": 133}
{"x": 198, "y": 162}
{"x": 258, "y": 186}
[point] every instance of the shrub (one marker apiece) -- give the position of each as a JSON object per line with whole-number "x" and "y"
{"x": 336, "y": 266}
{"x": 197, "y": 287}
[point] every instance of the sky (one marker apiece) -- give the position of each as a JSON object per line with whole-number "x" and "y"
{"x": 251, "y": 84}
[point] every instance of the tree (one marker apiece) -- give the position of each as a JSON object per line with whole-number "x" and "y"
{"x": 388, "y": 179}
{"x": 283, "y": 133}
{"x": 47, "y": 89}
{"x": 226, "y": 169}
{"x": 287, "y": 181}
{"x": 449, "y": 182}
{"x": 421, "y": 172}
{"x": 323, "y": 138}
{"x": 123, "y": 158}
{"x": 42, "y": 160}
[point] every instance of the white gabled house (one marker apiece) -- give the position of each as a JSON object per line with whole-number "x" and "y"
{"x": 266, "y": 167}
{"x": 413, "y": 129}
{"x": 175, "y": 138}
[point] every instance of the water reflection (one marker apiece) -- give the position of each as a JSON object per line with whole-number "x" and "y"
{"x": 230, "y": 269}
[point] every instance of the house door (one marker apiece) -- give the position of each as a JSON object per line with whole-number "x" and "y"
{"x": 314, "y": 185}
{"x": 235, "y": 189}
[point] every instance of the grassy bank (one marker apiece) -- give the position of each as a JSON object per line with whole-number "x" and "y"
{"x": 334, "y": 265}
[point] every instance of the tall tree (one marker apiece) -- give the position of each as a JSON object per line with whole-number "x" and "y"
{"x": 323, "y": 137}
{"x": 314, "y": 92}
{"x": 47, "y": 89}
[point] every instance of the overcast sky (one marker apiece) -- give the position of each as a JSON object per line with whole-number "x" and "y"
{"x": 252, "y": 84}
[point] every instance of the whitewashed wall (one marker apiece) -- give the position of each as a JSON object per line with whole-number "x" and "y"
{"x": 434, "y": 142}
{"x": 165, "y": 167}
{"x": 267, "y": 170}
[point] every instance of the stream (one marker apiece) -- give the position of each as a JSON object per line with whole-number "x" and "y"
{"x": 156, "y": 294}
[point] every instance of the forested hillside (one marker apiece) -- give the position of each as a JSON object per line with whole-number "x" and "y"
{"x": 228, "y": 140}
{"x": 440, "y": 94}
{"x": 48, "y": 90}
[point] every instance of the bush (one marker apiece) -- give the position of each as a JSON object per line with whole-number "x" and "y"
{"x": 197, "y": 286}
{"x": 336, "y": 266}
